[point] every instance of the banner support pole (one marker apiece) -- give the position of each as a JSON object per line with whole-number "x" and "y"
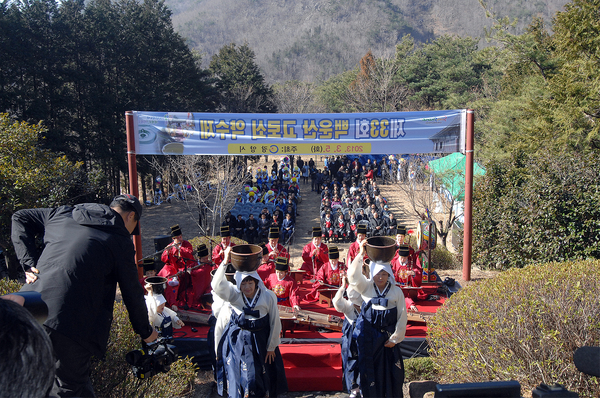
{"x": 468, "y": 227}
{"x": 133, "y": 185}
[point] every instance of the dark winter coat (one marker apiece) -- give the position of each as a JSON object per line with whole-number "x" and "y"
{"x": 87, "y": 251}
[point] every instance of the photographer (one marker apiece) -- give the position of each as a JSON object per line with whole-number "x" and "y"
{"x": 26, "y": 361}
{"x": 87, "y": 251}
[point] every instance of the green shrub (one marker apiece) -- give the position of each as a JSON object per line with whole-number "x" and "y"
{"x": 212, "y": 241}
{"x": 441, "y": 258}
{"x": 421, "y": 368}
{"x": 113, "y": 377}
{"x": 532, "y": 209}
{"x": 522, "y": 325}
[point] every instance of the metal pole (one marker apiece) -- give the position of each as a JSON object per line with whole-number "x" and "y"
{"x": 468, "y": 227}
{"x": 133, "y": 185}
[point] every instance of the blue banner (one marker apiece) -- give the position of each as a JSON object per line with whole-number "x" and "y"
{"x": 187, "y": 133}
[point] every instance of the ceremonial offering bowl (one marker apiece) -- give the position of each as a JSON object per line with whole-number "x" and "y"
{"x": 229, "y": 273}
{"x": 246, "y": 258}
{"x": 381, "y": 249}
{"x": 158, "y": 284}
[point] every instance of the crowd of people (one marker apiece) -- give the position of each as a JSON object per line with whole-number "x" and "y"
{"x": 268, "y": 200}
{"x": 351, "y": 197}
{"x": 246, "y": 326}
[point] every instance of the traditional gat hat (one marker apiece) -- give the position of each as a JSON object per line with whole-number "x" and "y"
{"x": 202, "y": 250}
{"x": 273, "y": 233}
{"x": 334, "y": 252}
{"x": 316, "y": 232}
{"x": 361, "y": 229}
{"x": 403, "y": 251}
{"x": 401, "y": 230}
{"x": 148, "y": 264}
{"x": 281, "y": 264}
{"x": 175, "y": 230}
{"x": 265, "y": 249}
{"x": 225, "y": 231}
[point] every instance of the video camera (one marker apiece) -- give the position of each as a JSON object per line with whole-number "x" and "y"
{"x": 157, "y": 358}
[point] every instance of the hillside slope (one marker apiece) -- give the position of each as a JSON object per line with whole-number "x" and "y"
{"x": 312, "y": 40}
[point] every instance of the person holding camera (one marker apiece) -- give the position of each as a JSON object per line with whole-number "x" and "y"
{"x": 87, "y": 251}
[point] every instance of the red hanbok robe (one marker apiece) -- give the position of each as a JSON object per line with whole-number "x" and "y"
{"x": 218, "y": 254}
{"x": 280, "y": 250}
{"x": 176, "y": 259}
{"x": 266, "y": 269}
{"x": 191, "y": 284}
{"x": 353, "y": 252}
{"x": 326, "y": 275}
{"x": 307, "y": 261}
{"x": 286, "y": 289}
{"x": 401, "y": 275}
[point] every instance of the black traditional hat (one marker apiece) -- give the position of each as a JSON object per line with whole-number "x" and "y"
{"x": 202, "y": 250}
{"x": 273, "y": 233}
{"x": 403, "y": 251}
{"x": 265, "y": 249}
{"x": 148, "y": 264}
{"x": 401, "y": 230}
{"x": 230, "y": 273}
{"x": 316, "y": 232}
{"x": 334, "y": 252}
{"x": 281, "y": 264}
{"x": 175, "y": 230}
{"x": 361, "y": 229}
{"x": 225, "y": 231}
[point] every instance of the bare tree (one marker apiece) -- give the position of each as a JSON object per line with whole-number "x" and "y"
{"x": 214, "y": 181}
{"x": 376, "y": 88}
{"x": 426, "y": 191}
{"x": 296, "y": 97}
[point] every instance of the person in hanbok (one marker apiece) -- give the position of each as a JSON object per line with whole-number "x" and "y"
{"x": 267, "y": 266}
{"x": 162, "y": 318}
{"x": 248, "y": 356}
{"x": 218, "y": 252}
{"x": 314, "y": 254}
{"x": 283, "y": 285}
{"x": 329, "y": 275}
{"x": 275, "y": 248}
{"x": 350, "y": 307}
{"x": 379, "y": 328}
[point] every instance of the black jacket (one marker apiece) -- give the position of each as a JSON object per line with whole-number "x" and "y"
{"x": 87, "y": 252}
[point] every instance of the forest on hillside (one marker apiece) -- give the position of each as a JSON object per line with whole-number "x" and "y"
{"x": 70, "y": 71}
{"x": 312, "y": 40}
